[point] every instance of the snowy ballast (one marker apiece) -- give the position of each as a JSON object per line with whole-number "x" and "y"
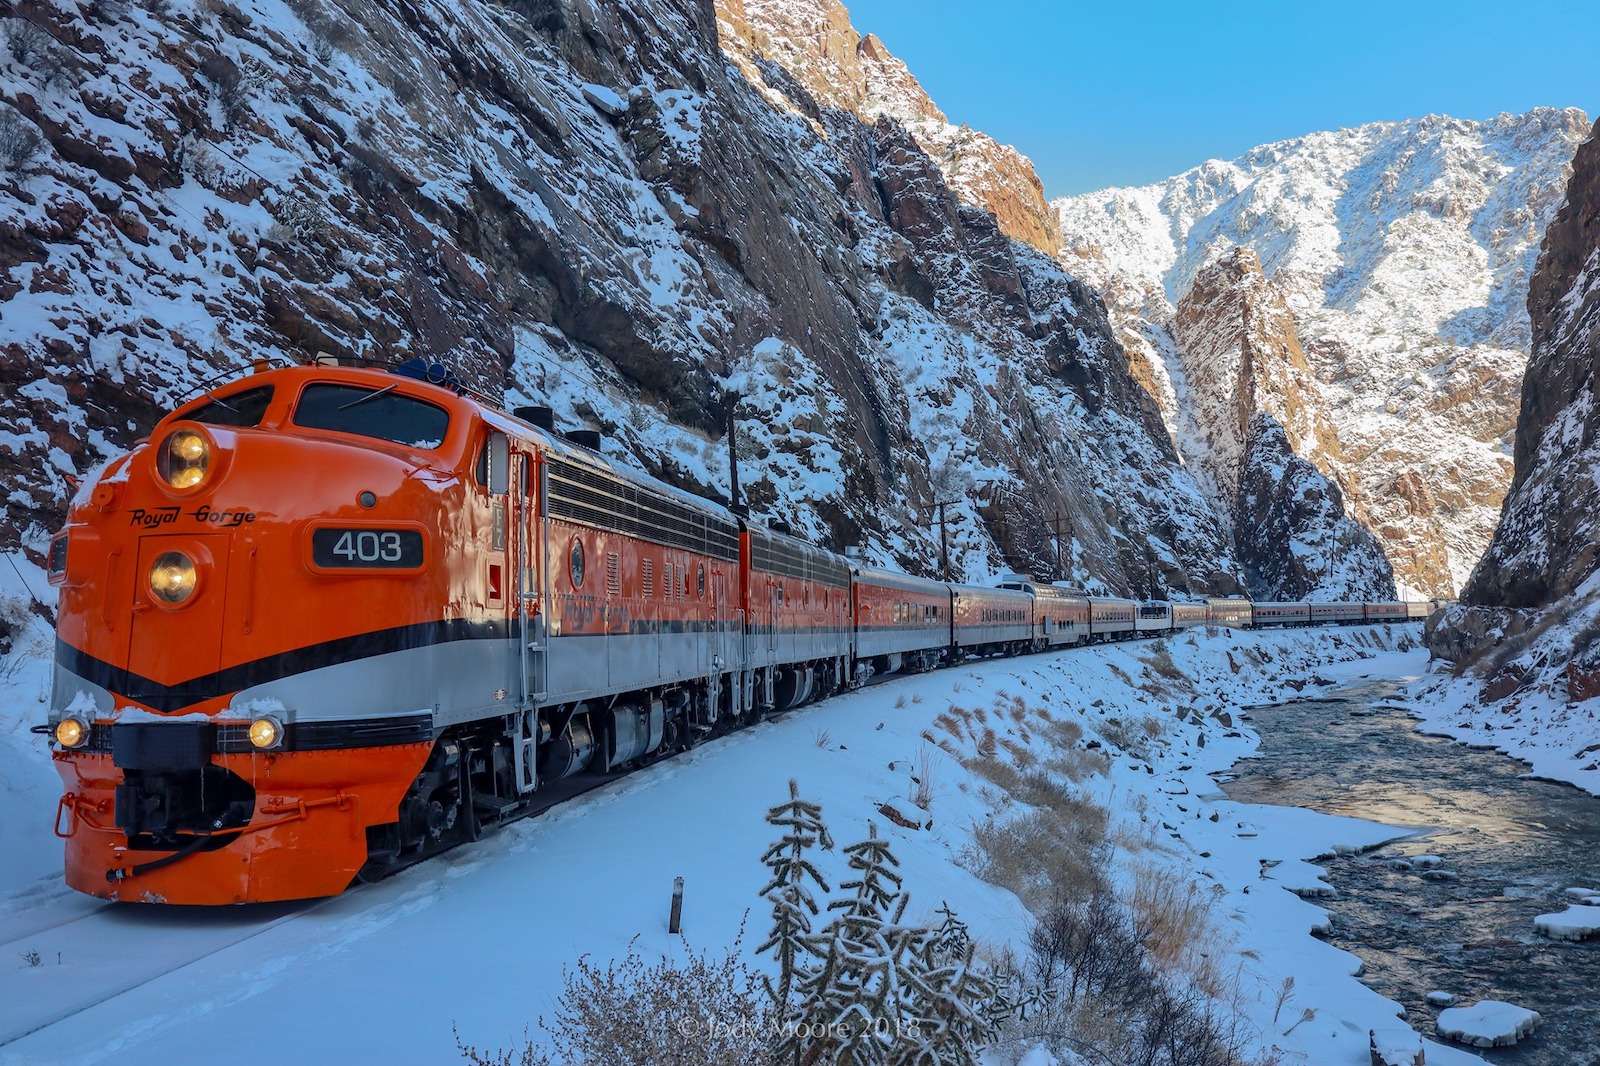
{"x": 1488, "y": 1023}
{"x": 1574, "y": 923}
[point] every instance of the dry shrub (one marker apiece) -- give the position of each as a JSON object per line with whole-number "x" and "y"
{"x": 900, "y": 701}
{"x": 703, "y": 1011}
{"x": 1153, "y": 727}
{"x": 999, "y": 773}
{"x": 1056, "y": 850}
{"x": 1063, "y": 734}
{"x": 1119, "y": 734}
{"x": 1160, "y": 662}
{"x": 20, "y": 143}
{"x": 988, "y": 743}
{"x": 1019, "y": 752}
{"x": 1112, "y": 1003}
{"x": 1077, "y": 765}
{"x": 951, "y": 723}
{"x": 923, "y": 771}
{"x": 1172, "y": 915}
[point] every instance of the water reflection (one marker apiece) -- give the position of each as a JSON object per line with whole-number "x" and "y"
{"x": 1507, "y": 847}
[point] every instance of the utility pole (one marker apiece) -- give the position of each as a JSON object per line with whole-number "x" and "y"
{"x": 1055, "y": 529}
{"x": 734, "y": 504}
{"x": 944, "y": 541}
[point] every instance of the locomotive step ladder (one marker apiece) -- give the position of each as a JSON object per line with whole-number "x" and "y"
{"x": 534, "y": 655}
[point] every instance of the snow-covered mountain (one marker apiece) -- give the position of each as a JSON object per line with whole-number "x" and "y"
{"x": 588, "y": 205}
{"x": 1401, "y": 252}
{"x": 1253, "y": 418}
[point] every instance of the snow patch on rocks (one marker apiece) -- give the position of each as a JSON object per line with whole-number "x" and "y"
{"x": 1574, "y": 923}
{"x": 1488, "y": 1023}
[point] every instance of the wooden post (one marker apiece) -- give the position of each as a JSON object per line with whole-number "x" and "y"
{"x": 676, "y": 921}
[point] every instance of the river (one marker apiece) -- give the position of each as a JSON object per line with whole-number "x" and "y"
{"x": 1496, "y": 850}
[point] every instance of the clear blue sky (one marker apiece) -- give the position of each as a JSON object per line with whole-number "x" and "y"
{"x": 1128, "y": 93}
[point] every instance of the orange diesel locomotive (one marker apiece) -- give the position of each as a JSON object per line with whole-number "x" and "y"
{"x": 326, "y": 621}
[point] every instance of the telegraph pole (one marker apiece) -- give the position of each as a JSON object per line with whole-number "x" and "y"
{"x": 944, "y": 541}
{"x": 734, "y": 503}
{"x": 1055, "y": 529}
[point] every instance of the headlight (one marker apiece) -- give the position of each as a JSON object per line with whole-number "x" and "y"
{"x": 266, "y": 732}
{"x": 173, "y": 577}
{"x": 184, "y": 458}
{"x": 72, "y": 732}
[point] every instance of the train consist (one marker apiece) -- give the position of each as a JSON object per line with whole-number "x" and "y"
{"x": 327, "y": 621}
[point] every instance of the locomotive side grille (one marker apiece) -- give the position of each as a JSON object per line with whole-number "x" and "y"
{"x": 593, "y": 498}
{"x": 774, "y": 556}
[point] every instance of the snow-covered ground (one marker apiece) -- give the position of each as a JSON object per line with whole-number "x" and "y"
{"x": 478, "y": 939}
{"x": 1558, "y": 737}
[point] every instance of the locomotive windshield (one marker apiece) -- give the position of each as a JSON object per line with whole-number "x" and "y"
{"x": 381, "y": 413}
{"x": 241, "y": 409}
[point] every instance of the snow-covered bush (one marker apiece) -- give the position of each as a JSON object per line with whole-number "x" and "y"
{"x": 299, "y": 219}
{"x": 20, "y": 143}
{"x": 25, "y": 41}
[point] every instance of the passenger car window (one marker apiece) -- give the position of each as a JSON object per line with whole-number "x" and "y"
{"x": 242, "y": 409}
{"x": 376, "y": 413}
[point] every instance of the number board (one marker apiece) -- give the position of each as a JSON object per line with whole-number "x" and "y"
{"x": 367, "y": 549}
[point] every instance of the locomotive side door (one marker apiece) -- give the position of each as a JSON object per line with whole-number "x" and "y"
{"x": 528, "y": 550}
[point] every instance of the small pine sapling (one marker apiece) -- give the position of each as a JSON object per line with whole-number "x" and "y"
{"x": 789, "y": 890}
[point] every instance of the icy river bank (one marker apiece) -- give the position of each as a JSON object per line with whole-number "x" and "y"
{"x": 1453, "y": 908}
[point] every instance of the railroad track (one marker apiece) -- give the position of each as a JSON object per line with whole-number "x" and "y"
{"x": 91, "y": 958}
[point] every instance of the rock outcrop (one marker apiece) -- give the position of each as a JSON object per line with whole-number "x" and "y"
{"x": 584, "y": 204}
{"x": 1532, "y": 607}
{"x": 813, "y": 41}
{"x": 1548, "y": 542}
{"x": 1249, "y": 412}
{"x": 1403, "y": 251}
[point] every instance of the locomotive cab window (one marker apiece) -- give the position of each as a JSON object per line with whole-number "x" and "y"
{"x": 494, "y": 464}
{"x": 379, "y": 413}
{"x": 240, "y": 409}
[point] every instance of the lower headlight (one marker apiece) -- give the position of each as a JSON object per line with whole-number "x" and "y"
{"x": 72, "y": 732}
{"x": 266, "y": 732}
{"x": 173, "y": 577}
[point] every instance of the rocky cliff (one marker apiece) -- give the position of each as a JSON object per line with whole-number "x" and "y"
{"x": 815, "y": 44}
{"x": 1547, "y": 544}
{"x": 1532, "y": 607}
{"x": 585, "y": 204}
{"x": 1250, "y": 411}
{"x": 1402, "y": 251}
